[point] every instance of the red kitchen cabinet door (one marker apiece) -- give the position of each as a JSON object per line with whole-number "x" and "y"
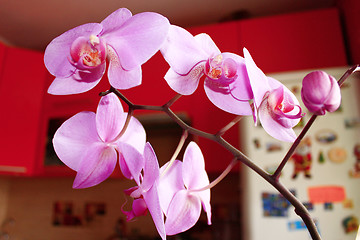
{"x": 21, "y": 95}
{"x": 2, "y": 56}
{"x": 225, "y": 35}
{"x": 304, "y": 40}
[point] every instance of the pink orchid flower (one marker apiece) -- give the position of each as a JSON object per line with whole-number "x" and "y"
{"x": 276, "y": 106}
{"x": 145, "y": 195}
{"x": 181, "y": 193}
{"x": 320, "y": 92}
{"x": 77, "y": 58}
{"x": 190, "y": 58}
{"x": 90, "y": 143}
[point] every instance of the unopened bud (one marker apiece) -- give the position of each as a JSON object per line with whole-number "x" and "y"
{"x": 320, "y": 92}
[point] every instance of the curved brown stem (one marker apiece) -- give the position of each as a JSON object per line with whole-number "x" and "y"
{"x": 177, "y": 151}
{"x": 229, "y": 125}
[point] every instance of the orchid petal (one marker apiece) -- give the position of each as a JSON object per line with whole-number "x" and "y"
{"x": 170, "y": 182}
{"x": 78, "y": 82}
{"x": 185, "y": 84}
{"x": 258, "y": 80}
{"x": 139, "y": 208}
{"x": 110, "y": 117}
{"x": 134, "y": 135}
{"x": 119, "y": 77}
{"x": 74, "y": 137}
{"x": 115, "y": 20}
{"x": 320, "y": 92}
{"x": 240, "y": 88}
{"x": 151, "y": 168}
{"x": 184, "y": 211}
{"x": 333, "y": 101}
{"x": 319, "y": 89}
{"x": 207, "y": 44}
{"x": 225, "y": 100}
{"x": 182, "y": 51}
{"x": 133, "y": 160}
{"x": 130, "y": 191}
{"x": 97, "y": 164}
{"x": 290, "y": 105}
{"x": 193, "y": 169}
{"x": 205, "y": 200}
{"x": 55, "y": 60}
{"x": 139, "y": 38}
{"x": 272, "y": 126}
{"x": 152, "y": 200}
{"x": 195, "y": 176}
{"x": 274, "y": 84}
{"x": 124, "y": 168}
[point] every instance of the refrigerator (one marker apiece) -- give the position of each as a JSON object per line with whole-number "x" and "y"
{"x": 324, "y": 173}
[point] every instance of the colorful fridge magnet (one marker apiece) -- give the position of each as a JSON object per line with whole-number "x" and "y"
{"x": 328, "y": 206}
{"x": 355, "y": 172}
{"x": 273, "y": 146}
{"x": 296, "y": 225}
{"x": 326, "y": 136}
{"x": 337, "y": 154}
{"x": 352, "y": 123}
{"x": 350, "y": 224}
{"x": 274, "y": 205}
{"x": 326, "y": 194}
{"x": 321, "y": 158}
{"x": 302, "y": 158}
{"x": 348, "y": 203}
{"x": 309, "y": 206}
{"x": 299, "y": 225}
{"x": 257, "y": 143}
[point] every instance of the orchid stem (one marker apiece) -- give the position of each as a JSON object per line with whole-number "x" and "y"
{"x": 126, "y": 124}
{"x": 229, "y": 125}
{"x": 220, "y": 177}
{"x": 350, "y": 71}
{"x": 281, "y": 166}
{"x": 173, "y": 100}
{"x": 176, "y": 153}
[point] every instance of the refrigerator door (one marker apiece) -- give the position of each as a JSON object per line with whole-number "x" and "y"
{"x": 324, "y": 172}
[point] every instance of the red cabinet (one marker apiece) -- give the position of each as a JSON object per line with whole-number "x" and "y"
{"x": 297, "y": 41}
{"x": 21, "y": 96}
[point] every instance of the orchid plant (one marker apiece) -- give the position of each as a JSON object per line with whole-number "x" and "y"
{"x": 93, "y": 143}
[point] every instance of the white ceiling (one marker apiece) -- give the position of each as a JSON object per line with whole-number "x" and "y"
{"x": 34, "y": 23}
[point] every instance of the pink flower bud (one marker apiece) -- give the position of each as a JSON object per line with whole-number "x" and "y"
{"x": 320, "y": 92}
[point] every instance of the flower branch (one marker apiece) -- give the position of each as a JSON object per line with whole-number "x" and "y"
{"x": 238, "y": 156}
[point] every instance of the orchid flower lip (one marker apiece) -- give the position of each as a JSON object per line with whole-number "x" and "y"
{"x": 87, "y": 52}
{"x": 220, "y": 70}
